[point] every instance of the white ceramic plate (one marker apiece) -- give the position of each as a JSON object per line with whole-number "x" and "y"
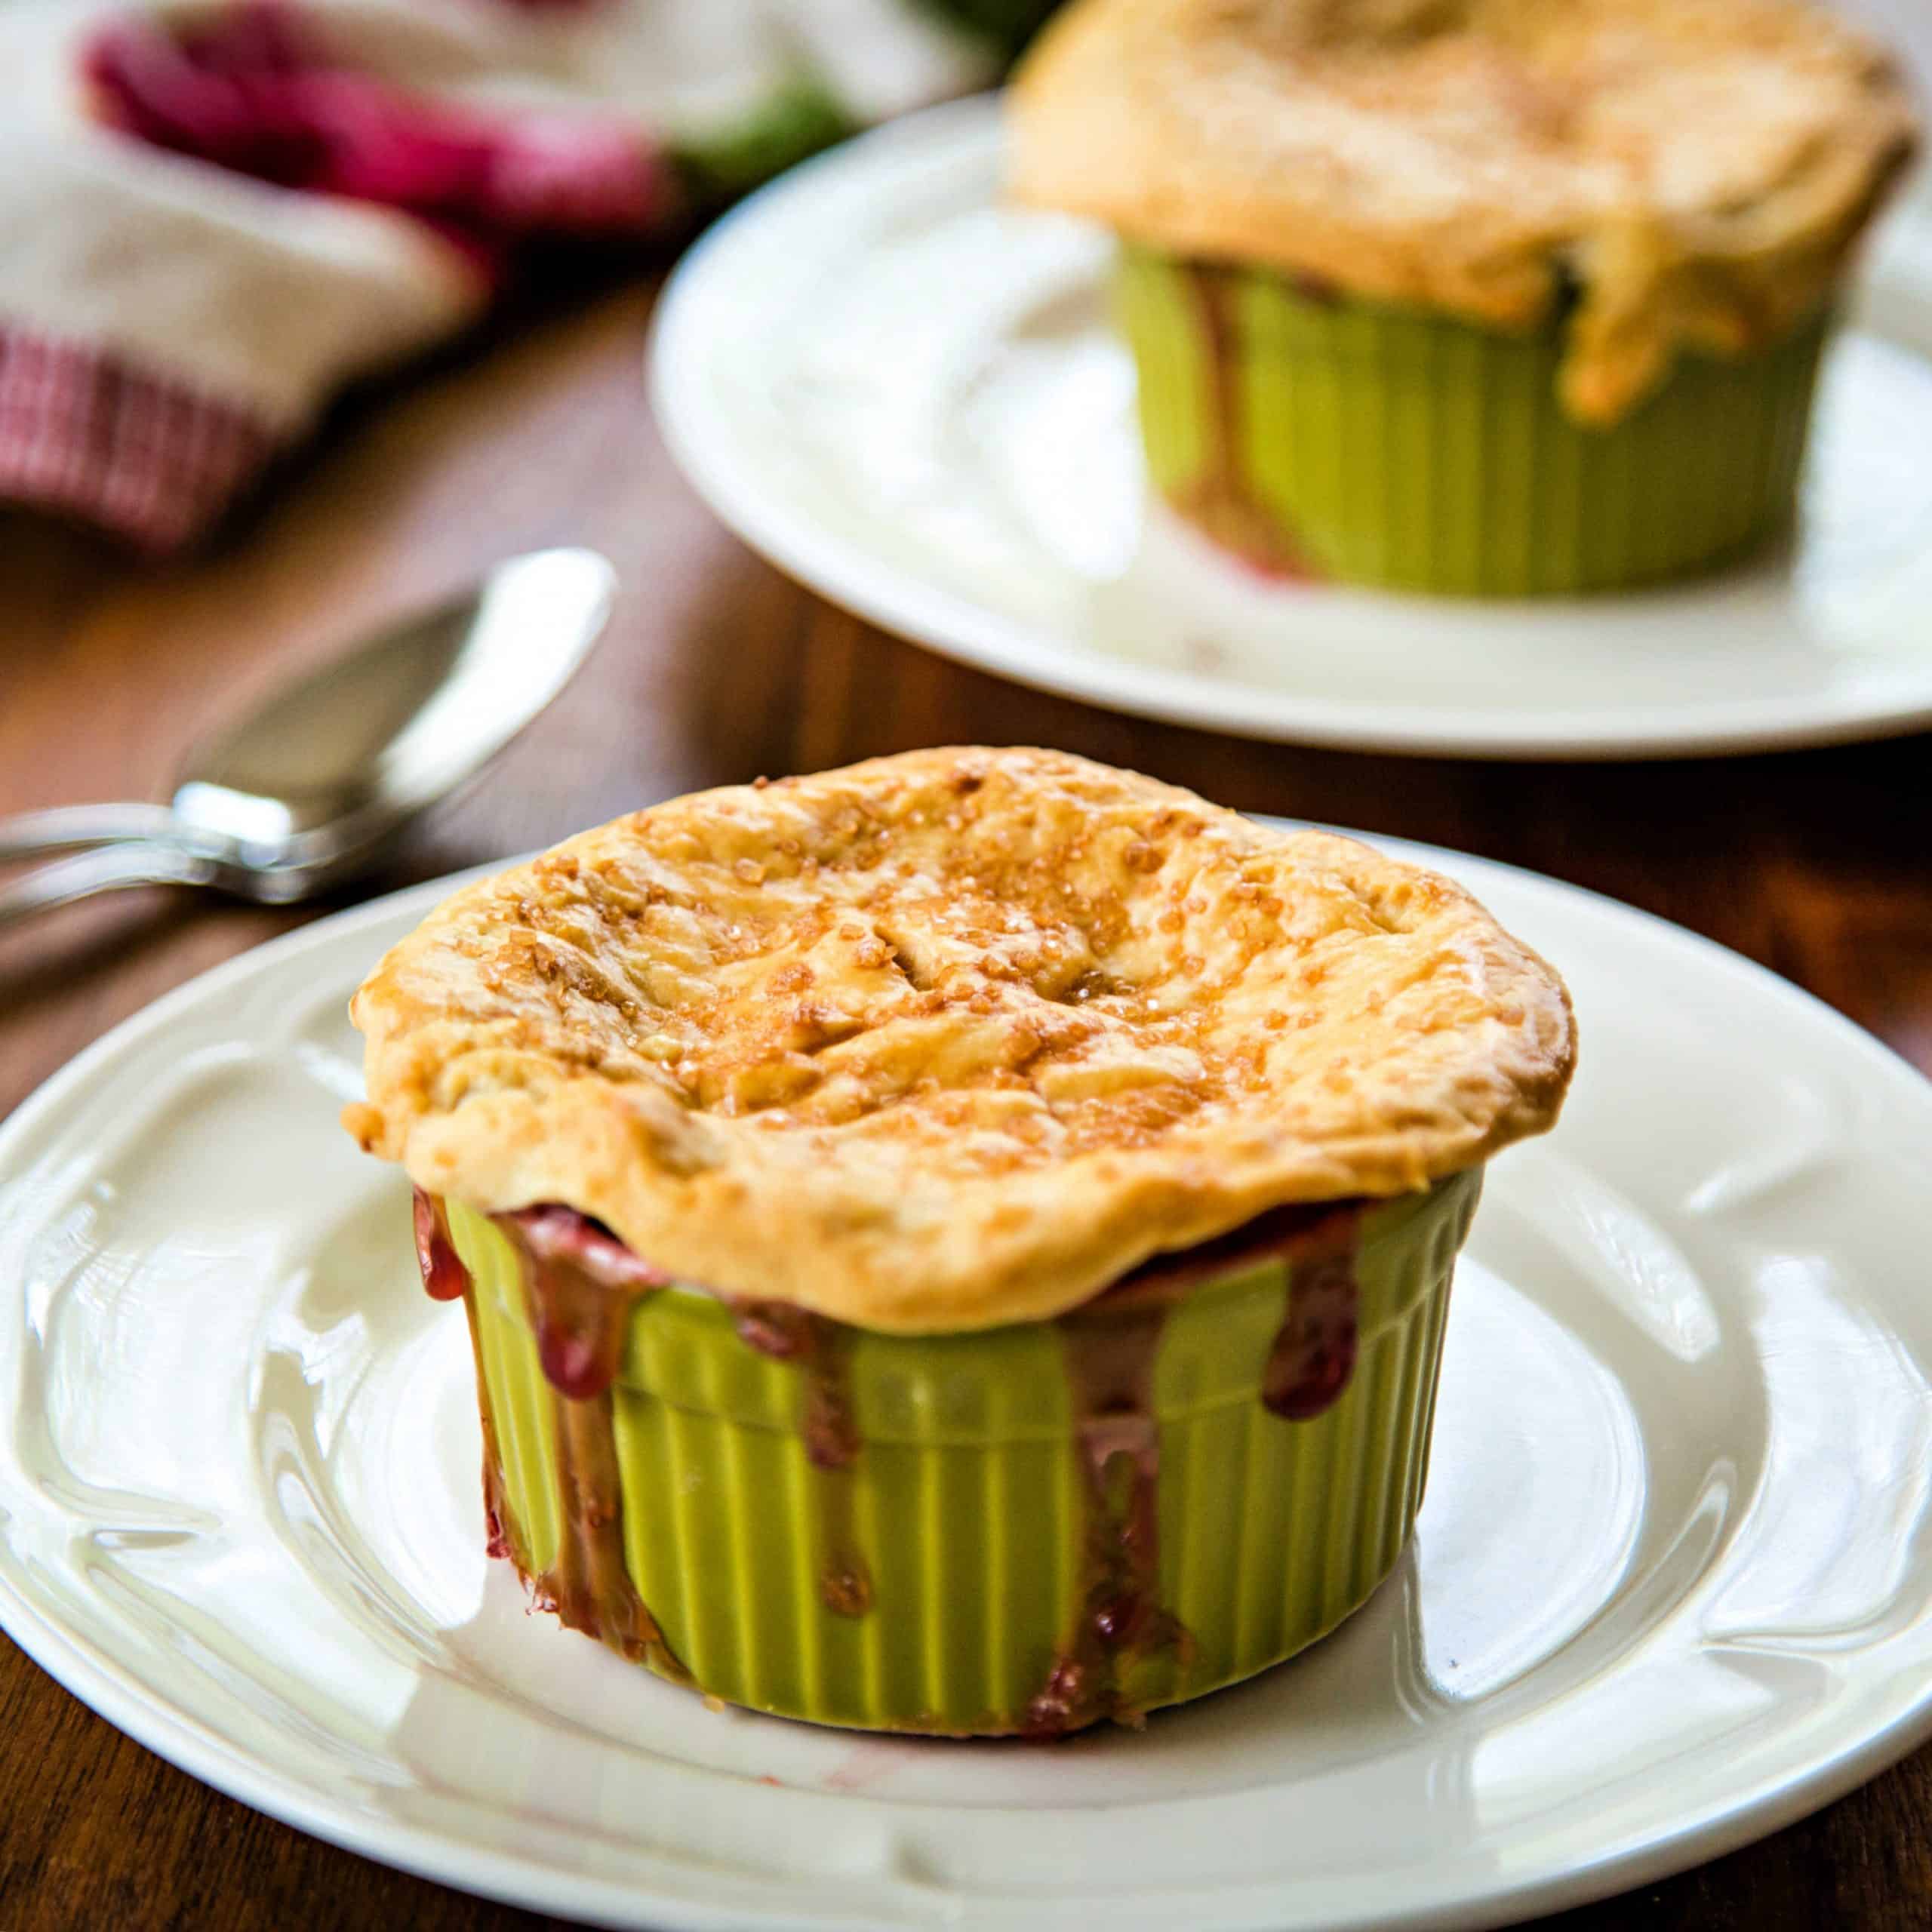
{"x": 1670, "y": 1588}
{"x": 909, "y": 397}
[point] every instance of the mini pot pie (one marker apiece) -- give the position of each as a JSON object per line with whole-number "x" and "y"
{"x": 1490, "y": 297}
{"x": 957, "y": 1244}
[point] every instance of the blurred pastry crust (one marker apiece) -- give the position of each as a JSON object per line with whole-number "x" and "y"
{"x": 1697, "y": 170}
{"x": 950, "y": 1039}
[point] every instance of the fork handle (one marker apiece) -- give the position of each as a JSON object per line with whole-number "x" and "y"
{"x": 107, "y": 870}
{"x": 65, "y": 828}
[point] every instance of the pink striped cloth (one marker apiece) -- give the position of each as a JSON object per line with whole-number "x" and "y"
{"x": 85, "y": 430}
{"x": 213, "y": 216}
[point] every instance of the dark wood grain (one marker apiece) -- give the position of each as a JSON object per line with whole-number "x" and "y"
{"x": 718, "y": 669}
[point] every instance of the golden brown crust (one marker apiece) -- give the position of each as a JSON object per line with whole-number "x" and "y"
{"x": 1699, "y": 168}
{"x": 950, "y": 1039}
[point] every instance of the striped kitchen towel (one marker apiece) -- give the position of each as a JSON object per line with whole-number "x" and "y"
{"x": 212, "y": 216}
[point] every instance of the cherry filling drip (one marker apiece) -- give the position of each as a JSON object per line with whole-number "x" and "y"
{"x": 496, "y": 1540}
{"x": 1111, "y": 1347}
{"x": 1221, "y": 500}
{"x": 444, "y": 1277}
{"x": 819, "y": 1349}
{"x": 589, "y": 1587}
{"x": 1285, "y": 1234}
{"x": 1110, "y": 1354}
{"x": 581, "y": 1282}
{"x": 1314, "y": 1354}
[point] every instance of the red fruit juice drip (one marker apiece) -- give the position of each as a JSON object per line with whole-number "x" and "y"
{"x": 1221, "y": 501}
{"x": 580, "y": 1285}
{"x": 1111, "y": 1347}
{"x": 1110, "y": 1353}
{"x": 445, "y": 1278}
{"x": 1314, "y": 1354}
{"x": 820, "y": 1348}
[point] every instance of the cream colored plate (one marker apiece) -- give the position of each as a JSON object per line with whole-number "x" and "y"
{"x": 1670, "y": 1588}
{"x": 909, "y": 397}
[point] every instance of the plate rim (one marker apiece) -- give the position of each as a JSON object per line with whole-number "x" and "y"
{"x": 933, "y": 617}
{"x": 140, "y": 1713}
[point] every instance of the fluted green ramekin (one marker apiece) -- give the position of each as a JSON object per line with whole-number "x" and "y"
{"x": 969, "y": 1499}
{"x": 1329, "y": 437}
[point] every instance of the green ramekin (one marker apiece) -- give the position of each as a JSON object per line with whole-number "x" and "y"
{"x": 969, "y": 1500}
{"x": 1328, "y": 437}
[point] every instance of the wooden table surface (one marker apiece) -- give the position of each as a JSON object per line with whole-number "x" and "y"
{"x": 717, "y": 667}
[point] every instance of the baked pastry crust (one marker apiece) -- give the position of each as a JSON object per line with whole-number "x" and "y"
{"x": 950, "y": 1039}
{"x": 1698, "y": 168}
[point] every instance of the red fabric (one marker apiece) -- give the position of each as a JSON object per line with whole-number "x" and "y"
{"x": 250, "y": 87}
{"x": 147, "y": 457}
{"x": 252, "y": 91}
